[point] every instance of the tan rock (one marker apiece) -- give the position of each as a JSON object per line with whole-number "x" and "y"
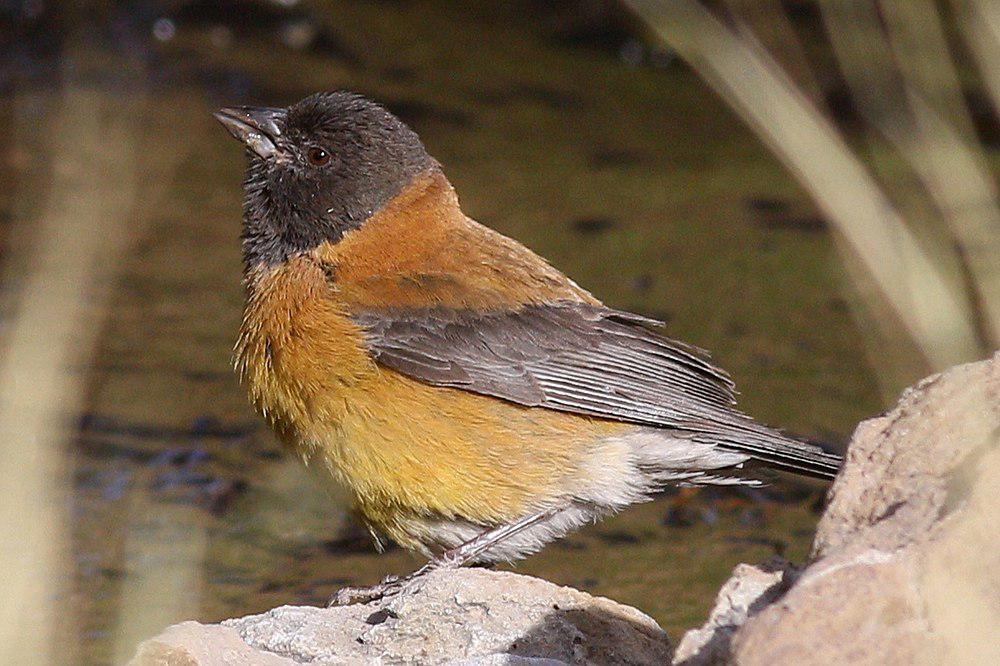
{"x": 194, "y": 644}
{"x": 472, "y": 617}
{"x": 907, "y": 554}
{"x": 748, "y": 589}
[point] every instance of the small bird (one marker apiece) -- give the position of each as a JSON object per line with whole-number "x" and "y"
{"x": 475, "y": 401}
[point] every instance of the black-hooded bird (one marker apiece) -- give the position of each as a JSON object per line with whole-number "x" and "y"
{"x": 475, "y": 401}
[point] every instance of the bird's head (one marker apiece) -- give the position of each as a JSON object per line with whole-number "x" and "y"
{"x": 318, "y": 169}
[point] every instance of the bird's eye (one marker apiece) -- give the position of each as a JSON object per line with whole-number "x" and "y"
{"x": 317, "y": 157}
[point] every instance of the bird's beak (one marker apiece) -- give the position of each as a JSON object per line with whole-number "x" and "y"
{"x": 257, "y": 127}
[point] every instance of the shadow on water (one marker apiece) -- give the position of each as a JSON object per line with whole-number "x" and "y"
{"x": 632, "y": 179}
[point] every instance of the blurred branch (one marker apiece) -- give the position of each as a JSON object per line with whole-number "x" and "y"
{"x": 917, "y": 36}
{"x": 80, "y": 234}
{"x": 765, "y": 22}
{"x": 980, "y": 20}
{"x": 912, "y": 107}
{"x": 100, "y": 195}
{"x": 935, "y": 311}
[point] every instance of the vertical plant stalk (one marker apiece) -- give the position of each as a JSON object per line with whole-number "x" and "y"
{"x": 766, "y": 23}
{"x": 916, "y": 107}
{"x": 81, "y": 231}
{"x": 980, "y": 21}
{"x": 935, "y": 312}
{"x": 917, "y": 34}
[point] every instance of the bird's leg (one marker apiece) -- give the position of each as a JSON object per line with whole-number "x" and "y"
{"x": 450, "y": 559}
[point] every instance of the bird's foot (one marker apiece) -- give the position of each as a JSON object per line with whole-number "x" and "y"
{"x": 390, "y": 586}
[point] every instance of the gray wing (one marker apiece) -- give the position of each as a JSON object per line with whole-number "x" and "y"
{"x": 579, "y": 358}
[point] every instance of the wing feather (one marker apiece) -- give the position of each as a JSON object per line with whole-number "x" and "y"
{"x": 581, "y": 358}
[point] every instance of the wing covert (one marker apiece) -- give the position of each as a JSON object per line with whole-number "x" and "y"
{"x": 570, "y": 356}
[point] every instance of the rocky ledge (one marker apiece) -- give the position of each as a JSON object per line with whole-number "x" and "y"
{"x": 468, "y": 617}
{"x": 904, "y": 570}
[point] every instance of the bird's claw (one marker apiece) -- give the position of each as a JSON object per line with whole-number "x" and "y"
{"x": 388, "y": 587}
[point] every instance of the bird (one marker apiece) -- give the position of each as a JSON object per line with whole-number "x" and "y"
{"x": 475, "y": 402}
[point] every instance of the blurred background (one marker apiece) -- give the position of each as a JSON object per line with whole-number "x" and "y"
{"x": 805, "y": 187}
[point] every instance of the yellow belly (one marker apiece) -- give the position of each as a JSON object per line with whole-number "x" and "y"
{"x": 408, "y": 450}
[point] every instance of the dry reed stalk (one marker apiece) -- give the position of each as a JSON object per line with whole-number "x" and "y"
{"x": 935, "y": 311}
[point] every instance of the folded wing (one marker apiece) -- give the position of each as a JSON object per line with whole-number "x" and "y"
{"x": 581, "y": 358}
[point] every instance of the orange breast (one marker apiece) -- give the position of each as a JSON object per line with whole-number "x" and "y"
{"x": 404, "y": 448}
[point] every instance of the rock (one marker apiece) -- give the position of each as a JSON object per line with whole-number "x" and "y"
{"x": 191, "y": 643}
{"x": 748, "y": 590}
{"x": 471, "y": 617}
{"x": 905, "y": 561}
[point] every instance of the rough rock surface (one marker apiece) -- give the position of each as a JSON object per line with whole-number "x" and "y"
{"x": 472, "y": 617}
{"x": 906, "y": 558}
{"x": 750, "y": 589}
{"x": 191, "y": 643}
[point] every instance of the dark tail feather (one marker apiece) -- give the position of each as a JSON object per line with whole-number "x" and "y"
{"x": 779, "y": 451}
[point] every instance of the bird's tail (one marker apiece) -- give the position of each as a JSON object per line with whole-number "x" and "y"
{"x": 777, "y": 450}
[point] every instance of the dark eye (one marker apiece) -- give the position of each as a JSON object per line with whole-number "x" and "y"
{"x": 317, "y": 157}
